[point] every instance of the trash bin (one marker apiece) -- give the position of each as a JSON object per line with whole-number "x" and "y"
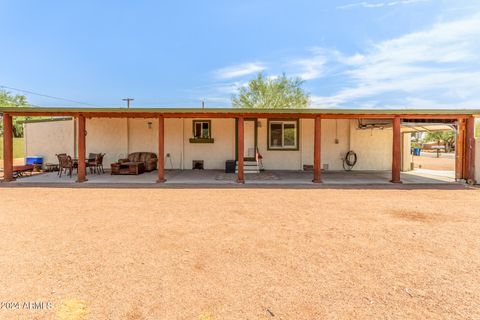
{"x": 230, "y": 166}
{"x": 417, "y": 151}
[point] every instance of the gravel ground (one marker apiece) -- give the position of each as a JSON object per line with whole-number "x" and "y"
{"x": 240, "y": 253}
{"x": 434, "y": 163}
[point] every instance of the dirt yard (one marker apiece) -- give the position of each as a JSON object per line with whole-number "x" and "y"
{"x": 434, "y": 163}
{"x": 240, "y": 253}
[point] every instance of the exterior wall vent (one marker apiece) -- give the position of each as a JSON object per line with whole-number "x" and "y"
{"x": 307, "y": 167}
{"x": 197, "y": 164}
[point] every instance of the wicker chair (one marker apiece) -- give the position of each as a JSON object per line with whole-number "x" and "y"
{"x": 99, "y": 163}
{"x": 66, "y": 163}
{"x": 59, "y": 157}
{"x": 92, "y": 162}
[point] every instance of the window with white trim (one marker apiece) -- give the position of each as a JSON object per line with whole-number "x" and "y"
{"x": 283, "y": 135}
{"x": 201, "y": 129}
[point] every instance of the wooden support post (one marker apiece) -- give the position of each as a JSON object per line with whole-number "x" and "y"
{"x": 470, "y": 150}
{"x": 460, "y": 150}
{"x": 317, "y": 158}
{"x": 7, "y": 148}
{"x": 396, "y": 151}
{"x": 240, "y": 150}
{"x": 82, "y": 168}
{"x": 161, "y": 150}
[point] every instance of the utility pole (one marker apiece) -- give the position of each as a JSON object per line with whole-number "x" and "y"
{"x": 203, "y": 104}
{"x": 128, "y": 101}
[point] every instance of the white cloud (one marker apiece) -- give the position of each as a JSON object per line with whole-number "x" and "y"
{"x": 240, "y": 70}
{"x": 365, "y": 4}
{"x": 441, "y": 61}
{"x": 310, "y": 68}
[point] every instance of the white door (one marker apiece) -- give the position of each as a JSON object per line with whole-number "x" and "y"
{"x": 249, "y": 139}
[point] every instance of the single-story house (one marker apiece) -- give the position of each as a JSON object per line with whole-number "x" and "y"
{"x": 288, "y": 139}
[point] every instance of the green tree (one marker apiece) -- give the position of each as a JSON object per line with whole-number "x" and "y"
{"x": 7, "y": 100}
{"x": 272, "y": 93}
{"x": 447, "y": 138}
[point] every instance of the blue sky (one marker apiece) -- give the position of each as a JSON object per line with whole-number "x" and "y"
{"x": 352, "y": 54}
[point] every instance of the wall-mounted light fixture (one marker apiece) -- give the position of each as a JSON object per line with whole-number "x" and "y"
{"x": 149, "y": 125}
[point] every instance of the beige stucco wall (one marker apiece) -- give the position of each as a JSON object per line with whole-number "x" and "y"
{"x": 173, "y": 143}
{"x": 214, "y": 154}
{"x": 180, "y": 151}
{"x": 49, "y": 138}
{"x": 143, "y": 138}
{"x": 332, "y": 152}
{"x": 276, "y": 159}
{"x": 108, "y": 136}
{"x": 373, "y": 147}
{"x": 407, "y": 157}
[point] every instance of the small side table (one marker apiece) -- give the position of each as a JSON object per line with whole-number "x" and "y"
{"x": 133, "y": 168}
{"x": 50, "y": 167}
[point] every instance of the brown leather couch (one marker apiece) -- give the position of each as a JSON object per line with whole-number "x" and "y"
{"x": 149, "y": 159}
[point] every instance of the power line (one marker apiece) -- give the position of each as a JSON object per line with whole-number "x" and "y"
{"x": 48, "y": 96}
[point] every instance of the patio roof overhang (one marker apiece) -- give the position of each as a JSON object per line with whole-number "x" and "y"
{"x": 465, "y": 119}
{"x": 246, "y": 113}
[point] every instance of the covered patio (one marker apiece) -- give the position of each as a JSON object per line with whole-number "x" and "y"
{"x": 463, "y": 119}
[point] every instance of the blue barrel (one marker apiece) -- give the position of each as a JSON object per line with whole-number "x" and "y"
{"x": 417, "y": 151}
{"x": 34, "y": 160}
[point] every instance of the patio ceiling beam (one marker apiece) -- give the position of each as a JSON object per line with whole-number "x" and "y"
{"x": 263, "y": 114}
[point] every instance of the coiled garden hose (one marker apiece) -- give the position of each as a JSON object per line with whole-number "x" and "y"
{"x": 350, "y": 160}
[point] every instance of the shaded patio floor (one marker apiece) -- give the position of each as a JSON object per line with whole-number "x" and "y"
{"x": 421, "y": 176}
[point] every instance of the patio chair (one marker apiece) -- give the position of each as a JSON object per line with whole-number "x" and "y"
{"x": 66, "y": 163}
{"x": 59, "y": 157}
{"x": 92, "y": 162}
{"x": 99, "y": 163}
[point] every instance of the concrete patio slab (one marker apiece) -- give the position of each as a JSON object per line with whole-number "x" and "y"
{"x": 421, "y": 176}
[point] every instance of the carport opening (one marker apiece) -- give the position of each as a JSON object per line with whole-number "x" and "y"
{"x": 433, "y": 147}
